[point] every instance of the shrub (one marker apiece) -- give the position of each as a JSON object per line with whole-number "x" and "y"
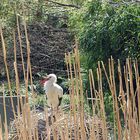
{"x": 107, "y": 30}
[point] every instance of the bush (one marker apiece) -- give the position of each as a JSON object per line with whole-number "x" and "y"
{"x": 107, "y": 30}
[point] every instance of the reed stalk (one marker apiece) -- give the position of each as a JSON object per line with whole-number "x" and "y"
{"x": 5, "y": 116}
{"x": 7, "y": 70}
{"x": 0, "y": 129}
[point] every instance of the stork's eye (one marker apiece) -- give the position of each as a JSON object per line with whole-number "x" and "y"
{"x": 49, "y": 77}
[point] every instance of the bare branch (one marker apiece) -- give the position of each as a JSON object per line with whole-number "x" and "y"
{"x": 62, "y": 4}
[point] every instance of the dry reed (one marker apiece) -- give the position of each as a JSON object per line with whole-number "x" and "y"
{"x": 77, "y": 124}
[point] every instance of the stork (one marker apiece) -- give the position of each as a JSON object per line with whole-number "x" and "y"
{"x": 53, "y": 91}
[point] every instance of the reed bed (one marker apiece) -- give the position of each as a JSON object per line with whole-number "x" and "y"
{"x": 76, "y": 124}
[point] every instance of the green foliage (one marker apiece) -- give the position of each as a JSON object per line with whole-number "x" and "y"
{"x": 66, "y": 100}
{"x": 29, "y": 10}
{"x": 108, "y": 101}
{"x": 105, "y": 30}
{"x": 75, "y": 2}
{"x": 40, "y": 100}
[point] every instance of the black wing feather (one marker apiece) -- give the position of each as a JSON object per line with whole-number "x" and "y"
{"x": 60, "y": 100}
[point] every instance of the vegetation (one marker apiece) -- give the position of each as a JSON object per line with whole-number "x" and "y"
{"x": 105, "y": 30}
{"x": 101, "y": 95}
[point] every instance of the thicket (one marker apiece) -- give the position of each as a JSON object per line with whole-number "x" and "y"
{"x": 105, "y": 30}
{"x": 48, "y": 35}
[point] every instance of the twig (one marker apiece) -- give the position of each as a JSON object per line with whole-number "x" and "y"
{"x": 62, "y": 4}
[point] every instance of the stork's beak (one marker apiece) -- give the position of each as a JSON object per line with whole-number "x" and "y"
{"x": 47, "y": 78}
{"x": 44, "y": 80}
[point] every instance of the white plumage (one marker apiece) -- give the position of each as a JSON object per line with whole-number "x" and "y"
{"x": 53, "y": 91}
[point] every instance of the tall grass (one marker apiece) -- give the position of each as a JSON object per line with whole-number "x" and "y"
{"x": 77, "y": 124}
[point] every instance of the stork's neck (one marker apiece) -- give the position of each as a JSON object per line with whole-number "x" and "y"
{"x": 48, "y": 85}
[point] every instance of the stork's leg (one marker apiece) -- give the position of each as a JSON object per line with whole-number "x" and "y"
{"x": 53, "y": 115}
{"x": 54, "y": 118}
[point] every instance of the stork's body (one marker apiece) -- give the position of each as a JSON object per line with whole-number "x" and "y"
{"x": 53, "y": 91}
{"x": 54, "y": 94}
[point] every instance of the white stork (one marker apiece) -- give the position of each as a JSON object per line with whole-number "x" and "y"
{"x": 53, "y": 91}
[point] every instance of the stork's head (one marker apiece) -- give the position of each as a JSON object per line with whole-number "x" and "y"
{"x": 50, "y": 79}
